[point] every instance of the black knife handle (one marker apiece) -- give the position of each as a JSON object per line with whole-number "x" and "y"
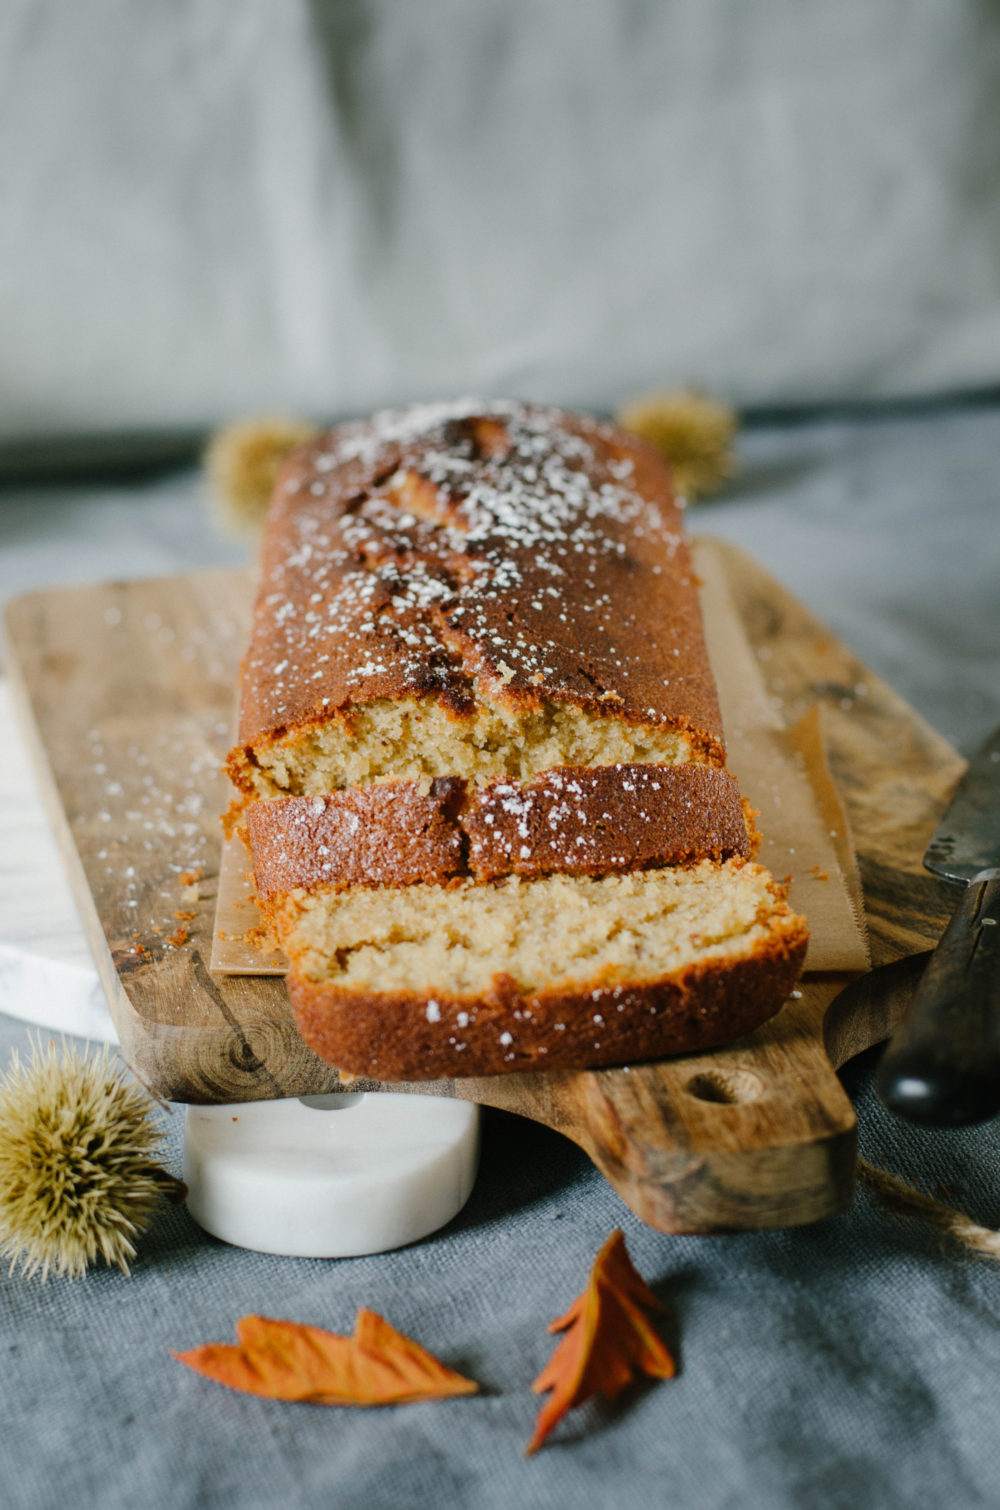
{"x": 942, "y": 1067}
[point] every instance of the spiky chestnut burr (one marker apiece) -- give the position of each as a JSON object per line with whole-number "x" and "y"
{"x": 693, "y": 432}
{"x": 242, "y": 464}
{"x": 78, "y": 1176}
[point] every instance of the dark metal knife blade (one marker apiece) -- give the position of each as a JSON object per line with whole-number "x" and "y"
{"x": 967, "y": 840}
{"x": 942, "y": 1066}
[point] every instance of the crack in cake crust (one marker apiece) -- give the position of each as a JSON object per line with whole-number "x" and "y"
{"x": 576, "y": 820}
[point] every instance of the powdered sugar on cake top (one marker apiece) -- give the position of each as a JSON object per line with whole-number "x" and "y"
{"x": 470, "y": 550}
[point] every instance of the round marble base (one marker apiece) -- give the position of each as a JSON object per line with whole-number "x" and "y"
{"x": 330, "y": 1176}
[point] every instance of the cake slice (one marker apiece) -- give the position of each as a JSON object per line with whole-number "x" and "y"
{"x": 481, "y": 769}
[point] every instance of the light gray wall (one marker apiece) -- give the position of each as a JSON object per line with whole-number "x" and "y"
{"x": 213, "y": 207}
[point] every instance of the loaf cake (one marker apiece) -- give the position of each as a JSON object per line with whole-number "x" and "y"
{"x": 481, "y": 768}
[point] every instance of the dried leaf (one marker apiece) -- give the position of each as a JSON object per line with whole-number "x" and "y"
{"x": 288, "y": 1361}
{"x": 609, "y": 1340}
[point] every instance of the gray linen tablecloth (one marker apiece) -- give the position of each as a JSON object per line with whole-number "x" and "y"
{"x": 849, "y": 1364}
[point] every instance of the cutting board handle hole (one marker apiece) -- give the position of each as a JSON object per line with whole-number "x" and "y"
{"x": 725, "y": 1087}
{"x": 336, "y": 1101}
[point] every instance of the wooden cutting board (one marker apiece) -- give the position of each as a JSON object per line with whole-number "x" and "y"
{"x": 127, "y": 694}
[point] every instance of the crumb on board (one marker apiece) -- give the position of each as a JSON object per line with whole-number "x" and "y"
{"x": 179, "y": 937}
{"x": 183, "y": 916}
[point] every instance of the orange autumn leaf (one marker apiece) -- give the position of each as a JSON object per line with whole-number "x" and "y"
{"x": 609, "y": 1340}
{"x": 288, "y": 1361}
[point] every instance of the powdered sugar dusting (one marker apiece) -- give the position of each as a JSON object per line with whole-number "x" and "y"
{"x": 452, "y": 549}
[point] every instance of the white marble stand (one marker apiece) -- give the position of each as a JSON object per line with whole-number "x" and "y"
{"x": 329, "y": 1176}
{"x": 47, "y": 975}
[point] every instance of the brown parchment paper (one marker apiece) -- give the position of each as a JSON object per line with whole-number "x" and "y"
{"x": 783, "y": 773}
{"x": 785, "y": 776}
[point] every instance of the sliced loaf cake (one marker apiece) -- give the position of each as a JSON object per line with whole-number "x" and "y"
{"x": 480, "y": 763}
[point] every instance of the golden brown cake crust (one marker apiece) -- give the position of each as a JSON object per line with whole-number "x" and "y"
{"x": 394, "y": 1036}
{"x": 578, "y": 820}
{"x": 499, "y": 547}
{"x": 392, "y": 834}
{"x": 591, "y": 821}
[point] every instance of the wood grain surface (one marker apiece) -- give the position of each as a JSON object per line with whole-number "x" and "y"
{"x": 127, "y": 692}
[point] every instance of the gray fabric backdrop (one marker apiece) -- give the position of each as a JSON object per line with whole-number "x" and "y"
{"x": 845, "y": 1366}
{"x": 328, "y": 205}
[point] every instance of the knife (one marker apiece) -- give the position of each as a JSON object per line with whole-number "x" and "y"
{"x": 942, "y": 1066}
